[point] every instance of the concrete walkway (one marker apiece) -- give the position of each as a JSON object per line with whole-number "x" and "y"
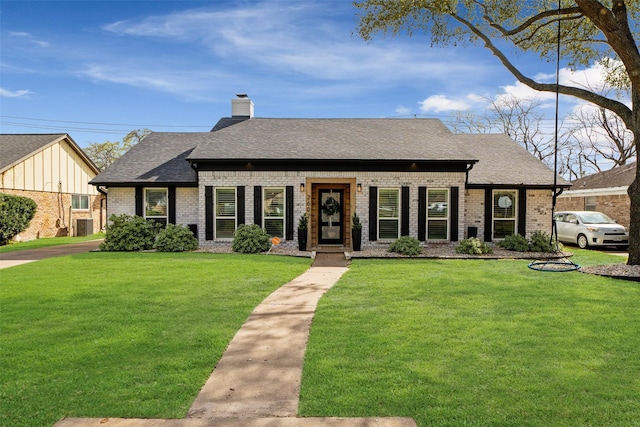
{"x": 257, "y": 381}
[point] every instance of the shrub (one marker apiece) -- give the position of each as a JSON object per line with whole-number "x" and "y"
{"x": 16, "y": 212}
{"x": 541, "y": 242}
{"x": 250, "y": 239}
{"x": 176, "y": 238}
{"x": 515, "y": 242}
{"x": 473, "y": 246}
{"x": 406, "y": 245}
{"x": 129, "y": 233}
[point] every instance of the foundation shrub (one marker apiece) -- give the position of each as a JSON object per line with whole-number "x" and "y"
{"x": 16, "y": 212}
{"x": 176, "y": 238}
{"x": 473, "y": 246}
{"x": 250, "y": 239}
{"x": 515, "y": 242}
{"x": 406, "y": 245}
{"x": 127, "y": 233}
{"x": 541, "y": 242}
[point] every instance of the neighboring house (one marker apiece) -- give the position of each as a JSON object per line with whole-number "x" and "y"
{"x": 401, "y": 176}
{"x": 52, "y": 170}
{"x": 605, "y": 192}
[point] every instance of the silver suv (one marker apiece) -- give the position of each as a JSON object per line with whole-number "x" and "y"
{"x": 588, "y": 228}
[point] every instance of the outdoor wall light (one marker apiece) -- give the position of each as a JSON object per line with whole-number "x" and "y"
{"x": 302, "y": 187}
{"x": 359, "y": 188}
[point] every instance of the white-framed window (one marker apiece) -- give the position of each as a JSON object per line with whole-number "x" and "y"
{"x": 226, "y": 220}
{"x": 505, "y": 213}
{"x": 388, "y": 213}
{"x": 80, "y": 202}
{"x": 437, "y": 213}
{"x": 156, "y": 202}
{"x": 590, "y": 203}
{"x": 273, "y": 202}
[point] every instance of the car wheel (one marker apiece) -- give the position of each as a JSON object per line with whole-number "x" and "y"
{"x": 583, "y": 242}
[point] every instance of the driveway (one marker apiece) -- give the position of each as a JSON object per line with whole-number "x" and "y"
{"x": 10, "y": 259}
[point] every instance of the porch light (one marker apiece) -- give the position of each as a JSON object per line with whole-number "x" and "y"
{"x": 359, "y": 188}
{"x": 302, "y": 187}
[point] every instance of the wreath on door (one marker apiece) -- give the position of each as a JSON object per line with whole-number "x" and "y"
{"x": 331, "y": 206}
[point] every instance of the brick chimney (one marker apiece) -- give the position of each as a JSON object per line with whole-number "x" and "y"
{"x": 242, "y": 106}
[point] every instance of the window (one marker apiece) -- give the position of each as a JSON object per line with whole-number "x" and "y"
{"x": 590, "y": 203}
{"x": 225, "y": 212}
{"x": 80, "y": 202}
{"x": 504, "y": 213}
{"x": 388, "y": 213}
{"x": 437, "y": 214}
{"x": 156, "y": 204}
{"x": 273, "y": 203}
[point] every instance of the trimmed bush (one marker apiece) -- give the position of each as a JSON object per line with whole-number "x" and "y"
{"x": 250, "y": 239}
{"x": 541, "y": 242}
{"x": 16, "y": 212}
{"x": 129, "y": 233}
{"x": 176, "y": 238}
{"x": 406, "y": 245}
{"x": 515, "y": 242}
{"x": 473, "y": 246}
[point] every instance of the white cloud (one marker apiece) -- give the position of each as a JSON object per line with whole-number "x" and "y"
{"x": 402, "y": 110}
{"x": 14, "y": 94}
{"x": 440, "y": 103}
{"x": 28, "y": 37}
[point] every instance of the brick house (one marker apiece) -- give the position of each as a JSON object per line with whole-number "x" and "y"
{"x": 401, "y": 176}
{"x": 52, "y": 170}
{"x": 605, "y": 192}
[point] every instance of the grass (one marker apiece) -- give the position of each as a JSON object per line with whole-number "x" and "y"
{"x": 476, "y": 343}
{"x": 46, "y": 242}
{"x": 122, "y": 335}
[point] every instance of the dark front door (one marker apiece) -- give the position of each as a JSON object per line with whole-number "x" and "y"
{"x": 331, "y": 228}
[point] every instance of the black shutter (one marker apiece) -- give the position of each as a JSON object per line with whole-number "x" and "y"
{"x": 257, "y": 205}
{"x": 422, "y": 213}
{"x": 373, "y": 214}
{"x": 488, "y": 213}
{"x": 172, "y": 205}
{"x": 139, "y": 201}
{"x": 453, "y": 214}
{"x": 522, "y": 211}
{"x": 240, "y": 203}
{"x": 404, "y": 222}
{"x": 288, "y": 220}
{"x": 208, "y": 212}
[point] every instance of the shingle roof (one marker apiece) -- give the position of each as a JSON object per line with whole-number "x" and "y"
{"x": 504, "y": 162}
{"x": 622, "y": 176}
{"x": 159, "y": 158}
{"x": 16, "y": 147}
{"x": 328, "y": 139}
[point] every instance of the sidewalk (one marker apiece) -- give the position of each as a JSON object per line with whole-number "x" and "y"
{"x": 257, "y": 381}
{"x": 10, "y": 259}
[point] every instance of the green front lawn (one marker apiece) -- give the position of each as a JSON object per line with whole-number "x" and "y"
{"x": 47, "y": 241}
{"x": 121, "y": 334}
{"x": 477, "y": 343}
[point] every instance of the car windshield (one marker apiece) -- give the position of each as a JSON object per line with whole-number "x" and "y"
{"x": 596, "y": 218}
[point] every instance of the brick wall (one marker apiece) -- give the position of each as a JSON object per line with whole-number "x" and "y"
{"x": 616, "y": 206}
{"x": 54, "y": 217}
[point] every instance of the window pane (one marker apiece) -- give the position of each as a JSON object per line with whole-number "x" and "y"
{"x": 504, "y": 204}
{"x": 388, "y": 206}
{"x": 503, "y": 228}
{"x": 226, "y": 202}
{"x": 437, "y": 229}
{"x": 274, "y": 202}
{"x": 156, "y": 202}
{"x": 590, "y": 203}
{"x": 388, "y": 229}
{"x": 225, "y": 228}
{"x": 79, "y": 201}
{"x": 274, "y": 227}
{"x": 437, "y": 202}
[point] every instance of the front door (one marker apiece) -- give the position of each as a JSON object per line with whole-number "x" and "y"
{"x": 331, "y": 205}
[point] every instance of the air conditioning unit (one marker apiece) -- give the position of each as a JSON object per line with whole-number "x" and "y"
{"x": 84, "y": 227}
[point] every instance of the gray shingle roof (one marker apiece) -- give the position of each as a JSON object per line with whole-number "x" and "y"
{"x": 159, "y": 158}
{"x": 622, "y": 176}
{"x": 345, "y": 139}
{"x": 504, "y": 162}
{"x": 15, "y": 147}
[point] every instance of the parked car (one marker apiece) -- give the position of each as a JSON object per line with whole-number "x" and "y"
{"x": 589, "y": 228}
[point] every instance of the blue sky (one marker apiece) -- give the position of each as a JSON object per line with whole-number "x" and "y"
{"x": 98, "y": 69}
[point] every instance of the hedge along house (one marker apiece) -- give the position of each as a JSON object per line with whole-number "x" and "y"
{"x": 401, "y": 176}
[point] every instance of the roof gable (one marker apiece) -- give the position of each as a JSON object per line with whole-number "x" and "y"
{"x": 621, "y": 176}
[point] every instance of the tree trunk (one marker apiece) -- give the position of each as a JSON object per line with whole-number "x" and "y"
{"x": 634, "y": 226}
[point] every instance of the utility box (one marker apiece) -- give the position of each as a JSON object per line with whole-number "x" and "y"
{"x": 84, "y": 227}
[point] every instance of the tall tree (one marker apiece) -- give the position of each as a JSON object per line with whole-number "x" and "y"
{"x": 592, "y": 31}
{"x": 105, "y": 153}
